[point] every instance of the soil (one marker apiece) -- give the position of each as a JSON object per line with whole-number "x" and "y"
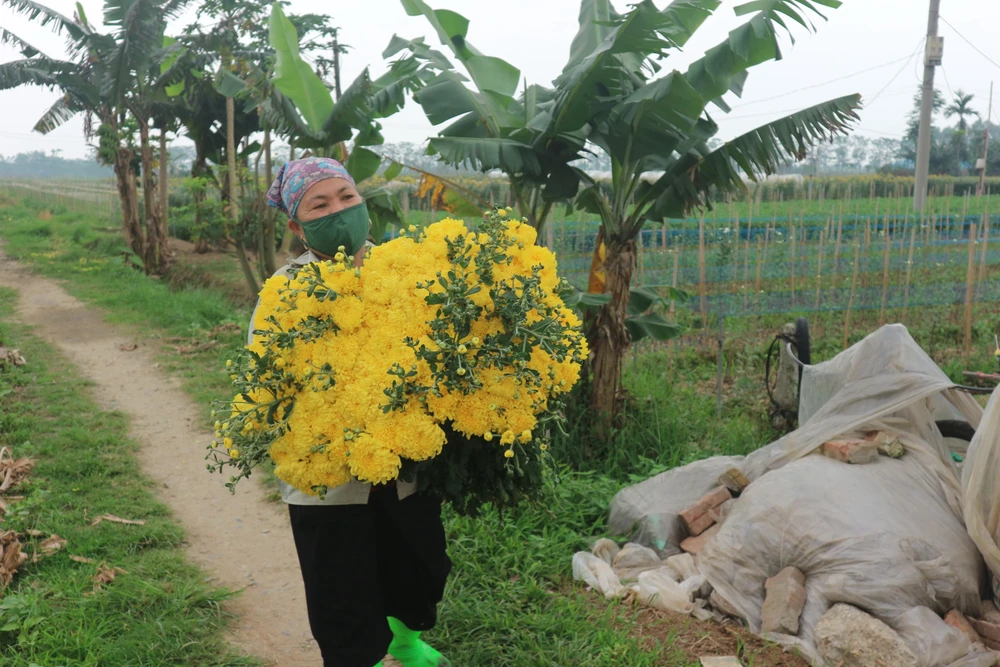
{"x": 242, "y": 541}
{"x": 706, "y": 638}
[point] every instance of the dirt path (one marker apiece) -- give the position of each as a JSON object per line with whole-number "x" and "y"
{"x": 243, "y": 541}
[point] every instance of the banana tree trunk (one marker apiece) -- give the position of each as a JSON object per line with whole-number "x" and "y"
{"x": 156, "y": 236}
{"x": 164, "y": 181}
{"x": 609, "y": 336}
{"x": 129, "y": 197}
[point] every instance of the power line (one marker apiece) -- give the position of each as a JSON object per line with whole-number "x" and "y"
{"x": 825, "y": 83}
{"x": 970, "y": 43}
{"x": 896, "y": 75}
{"x": 946, "y": 81}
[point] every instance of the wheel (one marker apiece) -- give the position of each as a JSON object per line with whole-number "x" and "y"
{"x": 956, "y": 429}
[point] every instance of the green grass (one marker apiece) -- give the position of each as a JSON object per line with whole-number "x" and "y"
{"x": 160, "y": 612}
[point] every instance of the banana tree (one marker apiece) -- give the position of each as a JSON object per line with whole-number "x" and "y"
{"x": 107, "y": 81}
{"x": 491, "y": 127}
{"x": 656, "y": 126}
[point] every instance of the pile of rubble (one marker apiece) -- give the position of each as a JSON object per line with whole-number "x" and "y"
{"x": 844, "y": 540}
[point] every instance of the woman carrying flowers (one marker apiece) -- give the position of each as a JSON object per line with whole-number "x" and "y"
{"x": 373, "y": 558}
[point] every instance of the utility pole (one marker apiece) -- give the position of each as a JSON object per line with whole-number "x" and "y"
{"x": 932, "y": 58}
{"x": 981, "y": 190}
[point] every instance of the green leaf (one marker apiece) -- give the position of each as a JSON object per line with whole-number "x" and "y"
{"x": 652, "y": 326}
{"x": 392, "y": 171}
{"x": 508, "y": 155}
{"x": 493, "y": 74}
{"x": 445, "y": 97}
{"x": 584, "y": 301}
{"x": 351, "y": 111}
{"x": 597, "y": 19}
{"x": 362, "y": 164}
{"x": 642, "y": 299}
{"x": 755, "y": 154}
{"x": 175, "y": 90}
{"x": 293, "y": 76}
{"x": 229, "y": 85}
{"x": 7, "y": 37}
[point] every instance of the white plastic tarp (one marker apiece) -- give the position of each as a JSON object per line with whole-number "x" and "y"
{"x": 886, "y": 536}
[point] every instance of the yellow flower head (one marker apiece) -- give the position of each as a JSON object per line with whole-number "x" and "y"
{"x": 234, "y": 453}
{"x": 508, "y": 453}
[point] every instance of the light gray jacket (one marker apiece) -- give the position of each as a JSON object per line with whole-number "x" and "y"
{"x": 352, "y": 493}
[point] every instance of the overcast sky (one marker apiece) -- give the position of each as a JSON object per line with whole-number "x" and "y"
{"x": 866, "y": 46}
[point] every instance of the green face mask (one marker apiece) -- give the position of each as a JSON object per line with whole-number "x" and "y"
{"x": 348, "y": 228}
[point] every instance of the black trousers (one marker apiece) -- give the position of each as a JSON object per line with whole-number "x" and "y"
{"x": 361, "y": 563}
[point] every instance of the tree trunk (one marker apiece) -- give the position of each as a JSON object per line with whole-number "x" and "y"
{"x": 164, "y": 181}
{"x": 129, "y": 200}
{"x": 270, "y": 261}
{"x": 234, "y": 203}
{"x": 609, "y": 336}
{"x": 199, "y": 169}
{"x": 156, "y": 236}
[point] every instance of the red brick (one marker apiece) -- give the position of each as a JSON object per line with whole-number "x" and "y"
{"x": 990, "y": 632}
{"x": 851, "y": 451}
{"x": 697, "y": 517}
{"x": 693, "y": 545}
{"x": 957, "y": 619}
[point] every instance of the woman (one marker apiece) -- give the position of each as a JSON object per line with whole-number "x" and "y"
{"x": 373, "y": 559}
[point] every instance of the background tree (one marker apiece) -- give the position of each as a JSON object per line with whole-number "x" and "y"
{"x": 961, "y": 107}
{"x": 108, "y": 81}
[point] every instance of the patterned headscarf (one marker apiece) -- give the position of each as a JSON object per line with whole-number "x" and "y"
{"x": 297, "y": 176}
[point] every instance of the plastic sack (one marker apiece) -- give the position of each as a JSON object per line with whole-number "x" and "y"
{"x": 658, "y": 590}
{"x": 934, "y": 642}
{"x": 882, "y": 537}
{"x": 648, "y": 511}
{"x": 982, "y": 492}
{"x": 605, "y": 549}
{"x": 597, "y": 574}
{"x": 868, "y": 387}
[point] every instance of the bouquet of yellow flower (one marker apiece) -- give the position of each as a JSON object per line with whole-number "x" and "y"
{"x": 445, "y": 358}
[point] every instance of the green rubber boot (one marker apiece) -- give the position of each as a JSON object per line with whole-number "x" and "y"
{"x": 410, "y": 649}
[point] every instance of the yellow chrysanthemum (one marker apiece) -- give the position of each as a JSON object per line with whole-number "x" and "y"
{"x": 339, "y": 382}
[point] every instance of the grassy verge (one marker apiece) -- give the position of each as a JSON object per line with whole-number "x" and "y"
{"x": 157, "y": 611}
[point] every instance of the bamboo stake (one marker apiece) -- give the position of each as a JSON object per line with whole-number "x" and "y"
{"x": 885, "y": 272}
{"x": 792, "y": 229}
{"x": 909, "y": 271}
{"x": 986, "y": 245}
{"x": 760, "y": 251}
{"x": 854, "y": 285}
{"x": 840, "y": 229}
{"x": 969, "y": 284}
{"x": 673, "y": 304}
{"x": 819, "y": 268}
{"x": 746, "y": 271}
{"x": 703, "y": 288}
